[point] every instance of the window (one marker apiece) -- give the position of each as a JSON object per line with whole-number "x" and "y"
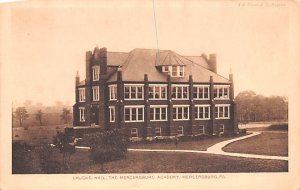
{"x": 112, "y": 113}
{"x": 202, "y": 112}
{"x": 134, "y": 113}
{"x": 158, "y": 92}
{"x": 201, "y": 92}
{"x": 96, "y": 72}
{"x": 181, "y": 112}
{"x": 221, "y": 91}
{"x": 222, "y": 111}
{"x": 180, "y": 130}
{"x": 177, "y": 71}
{"x": 134, "y": 132}
{"x": 158, "y": 113}
{"x": 112, "y": 92}
{"x": 95, "y": 93}
{"x": 180, "y": 92}
{"x": 158, "y": 131}
{"x": 81, "y": 114}
{"x": 201, "y": 129}
{"x": 81, "y": 94}
{"x": 134, "y": 92}
{"x": 222, "y": 129}
{"x": 165, "y": 69}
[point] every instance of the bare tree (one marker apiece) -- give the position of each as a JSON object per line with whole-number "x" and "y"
{"x": 39, "y": 116}
{"x": 21, "y": 115}
{"x": 65, "y": 116}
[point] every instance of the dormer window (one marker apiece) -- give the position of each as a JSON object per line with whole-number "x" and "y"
{"x": 177, "y": 71}
{"x": 165, "y": 69}
{"x": 96, "y": 72}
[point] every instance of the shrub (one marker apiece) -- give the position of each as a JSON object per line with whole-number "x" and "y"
{"x": 48, "y": 163}
{"x": 66, "y": 145}
{"x": 106, "y": 146}
{"x": 280, "y": 126}
{"x": 22, "y": 158}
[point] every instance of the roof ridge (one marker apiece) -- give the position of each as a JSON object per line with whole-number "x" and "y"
{"x": 126, "y": 63}
{"x": 116, "y": 52}
{"x": 210, "y": 71}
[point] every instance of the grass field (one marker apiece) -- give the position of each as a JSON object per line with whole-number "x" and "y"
{"x": 267, "y": 143}
{"x": 154, "y": 162}
{"x": 202, "y": 144}
{"x": 35, "y": 135}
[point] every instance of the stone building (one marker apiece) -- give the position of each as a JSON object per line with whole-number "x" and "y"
{"x": 154, "y": 93}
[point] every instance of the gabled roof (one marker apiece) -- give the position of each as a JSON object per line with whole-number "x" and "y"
{"x": 116, "y": 58}
{"x": 145, "y": 61}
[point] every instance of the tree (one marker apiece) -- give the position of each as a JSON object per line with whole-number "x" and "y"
{"x": 252, "y": 107}
{"x": 66, "y": 145}
{"x": 106, "y": 146}
{"x": 21, "y": 115}
{"x": 39, "y": 116}
{"x": 65, "y": 116}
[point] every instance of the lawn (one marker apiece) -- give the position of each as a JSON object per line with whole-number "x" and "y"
{"x": 267, "y": 143}
{"x": 34, "y": 135}
{"x": 201, "y": 144}
{"x": 158, "y": 162}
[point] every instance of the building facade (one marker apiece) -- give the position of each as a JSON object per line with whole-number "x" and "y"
{"x": 153, "y": 93}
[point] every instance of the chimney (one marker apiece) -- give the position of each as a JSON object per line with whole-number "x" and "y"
{"x": 103, "y": 61}
{"x": 88, "y": 59}
{"x": 212, "y": 62}
{"x": 77, "y": 79}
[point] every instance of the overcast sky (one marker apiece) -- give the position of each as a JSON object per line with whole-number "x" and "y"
{"x": 48, "y": 42}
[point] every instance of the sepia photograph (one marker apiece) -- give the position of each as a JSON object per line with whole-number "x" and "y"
{"x": 152, "y": 93}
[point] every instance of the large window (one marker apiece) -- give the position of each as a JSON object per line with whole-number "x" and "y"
{"x": 202, "y": 112}
{"x": 158, "y": 113}
{"x": 96, "y": 73}
{"x": 157, "y": 91}
{"x": 134, "y": 92}
{"x": 81, "y": 114}
{"x": 221, "y": 91}
{"x": 95, "y": 93}
{"x": 176, "y": 70}
{"x": 180, "y": 92}
{"x": 201, "y": 92}
{"x": 112, "y": 113}
{"x": 222, "y": 111}
{"x": 181, "y": 112}
{"x": 134, "y": 132}
{"x": 112, "y": 92}
{"x": 81, "y": 94}
{"x": 134, "y": 113}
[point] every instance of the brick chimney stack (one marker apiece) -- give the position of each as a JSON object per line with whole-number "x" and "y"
{"x": 212, "y": 61}
{"x": 77, "y": 79}
{"x": 103, "y": 61}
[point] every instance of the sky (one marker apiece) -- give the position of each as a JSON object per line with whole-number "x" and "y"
{"x": 48, "y": 41}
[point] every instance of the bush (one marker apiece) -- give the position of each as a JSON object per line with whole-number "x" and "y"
{"x": 22, "y": 158}
{"x": 243, "y": 131}
{"x": 106, "y": 146}
{"x": 48, "y": 163}
{"x": 280, "y": 127}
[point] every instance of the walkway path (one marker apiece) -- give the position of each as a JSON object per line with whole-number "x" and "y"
{"x": 217, "y": 149}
